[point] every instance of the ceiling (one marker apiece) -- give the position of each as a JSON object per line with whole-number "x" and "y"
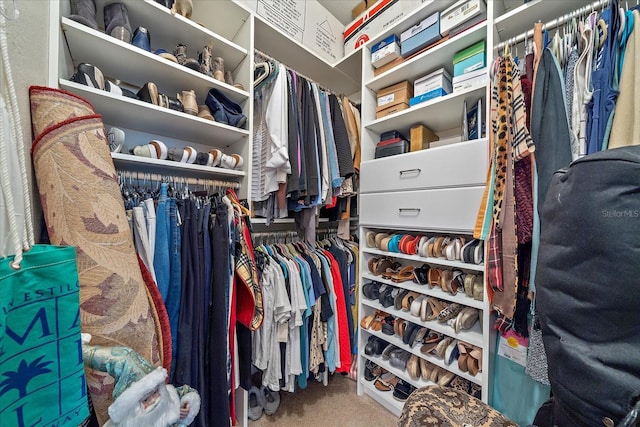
{"x": 341, "y": 9}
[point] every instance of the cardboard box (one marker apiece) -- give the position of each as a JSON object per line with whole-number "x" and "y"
{"x": 359, "y": 9}
{"x": 392, "y": 109}
{"x": 436, "y": 93}
{"x": 421, "y": 35}
{"x": 386, "y": 67}
{"x": 380, "y": 16}
{"x": 395, "y": 94}
{"x": 470, "y": 58}
{"x": 385, "y": 51}
{"x": 433, "y": 80}
{"x": 420, "y": 137}
{"x": 461, "y": 12}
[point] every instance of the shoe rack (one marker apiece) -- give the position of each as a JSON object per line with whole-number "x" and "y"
{"x": 224, "y": 24}
{"x": 433, "y": 192}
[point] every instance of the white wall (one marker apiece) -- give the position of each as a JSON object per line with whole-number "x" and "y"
{"x": 28, "y": 40}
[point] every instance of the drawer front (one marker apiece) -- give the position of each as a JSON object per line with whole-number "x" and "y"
{"x": 455, "y": 165}
{"x": 450, "y": 209}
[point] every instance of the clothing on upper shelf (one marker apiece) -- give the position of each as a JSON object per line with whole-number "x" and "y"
{"x": 306, "y": 143}
{"x": 308, "y": 298}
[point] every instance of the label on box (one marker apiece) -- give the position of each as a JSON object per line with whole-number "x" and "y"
{"x": 386, "y": 99}
{"x": 473, "y": 67}
{"x": 306, "y": 21}
{"x": 513, "y": 347}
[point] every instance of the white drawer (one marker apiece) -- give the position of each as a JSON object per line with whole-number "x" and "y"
{"x": 450, "y": 209}
{"x": 455, "y": 165}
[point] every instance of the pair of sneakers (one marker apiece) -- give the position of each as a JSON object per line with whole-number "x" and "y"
{"x": 262, "y": 400}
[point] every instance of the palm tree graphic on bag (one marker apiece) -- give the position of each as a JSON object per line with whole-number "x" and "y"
{"x": 20, "y": 378}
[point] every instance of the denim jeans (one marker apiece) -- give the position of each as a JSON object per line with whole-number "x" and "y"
{"x": 141, "y": 239}
{"x": 167, "y": 264}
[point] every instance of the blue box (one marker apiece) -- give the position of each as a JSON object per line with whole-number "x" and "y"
{"x": 387, "y": 41}
{"x": 419, "y": 36}
{"x": 436, "y": 93}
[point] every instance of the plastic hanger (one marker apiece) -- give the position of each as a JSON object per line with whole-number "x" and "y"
{"x": 11, "y": 14}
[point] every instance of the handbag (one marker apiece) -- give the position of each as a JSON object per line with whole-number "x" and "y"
{"x": 42, "y": 380}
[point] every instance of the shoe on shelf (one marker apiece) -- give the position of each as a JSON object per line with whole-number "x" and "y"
{"x": 182, "y": 7}
{"x": 182, "y": 155}
{"x": 142, "y": 39}
{"x": 270, "y": 400}
{"x": 84, "y": 12}
{"x": 181, "y": 55}
{"x": 189, "y": 102}
{"x": 204, "y": 58}
{"x": 224, "y": 110}
{"x": 170, "y": 103}
{"x": 231, "y": 161}
{"x": 116, "y": 22}
{"x": 217, "y": 68}
{"x": 228, "y": 78}
{"x": 89, "y": 75}
{"x": 204, "y": 159}
{"x": 166, "y": 3}
{"x": 166, "y": 55}
{"x": 113, "y": 88}
{"x": 203, "y": 112}
{"x": 148, "y": 93}
{"x": 115, "y": 136}
{"x": 154, "y": 150}
{"x": 255, "y": 409}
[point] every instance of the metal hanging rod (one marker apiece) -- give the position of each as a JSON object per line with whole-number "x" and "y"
{"x": 264, "y": 56}
{"x": 180, "y": 180}
{"x": 585, "y": 10}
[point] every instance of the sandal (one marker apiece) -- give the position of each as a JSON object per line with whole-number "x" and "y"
{"x": 406, "y": 273}
{"x": 434, "y": 308}
{"x": 433, "y": 277}
{"x": 421, "y": 275}
{"x": 466, "y": 319}
{"x": 366, "y": 321}
{"x": 449, "y": 312}
{"x": 386, "y": 382}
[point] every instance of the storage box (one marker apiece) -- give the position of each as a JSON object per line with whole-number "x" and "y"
{"x": 421, "y": 35}
{"x": 434, "y": 80}
{"x": 436, "y": 93}
{"x": 391, "y": 148}
{"x": 467, "y": 25}
{"x": 471, "y": 79}
{"x": 380, "y": 16}
{"x": 392, "y": 109}
{"x": 395, "y": 94}
{"x": 461, "y": 12}
{"x": 360, "y": 7}
{"x": 470, "y": 59}
{"x": 420, "y": 138}
{"x": 385, "y": 51}
{"x": 386, "y": 67}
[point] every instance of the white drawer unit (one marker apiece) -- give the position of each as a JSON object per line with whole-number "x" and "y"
{"x": 455, "y": 165}
{"x": 450, "y": 209}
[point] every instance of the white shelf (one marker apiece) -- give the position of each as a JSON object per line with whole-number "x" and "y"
{"x": 434, "y": 58}
{"x": 395, "y": 340}
{"x": 143, "y": 116}
{"x": 299, "y": 58}
{"x": 439, "y": 114}
{"x": 517, "y": 21}
{"x": 166, "y": 30}
{"x": 117, "y": 59}
{"x": 429, "y": 260}
{"x": 460, "y": 298}
{"x": 384, "y": 398}
{"x": 472, "y": 336}
{"x": 145, "y": 164}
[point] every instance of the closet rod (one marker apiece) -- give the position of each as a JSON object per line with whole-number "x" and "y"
{"x": 265, "y": 56}
{"x": 147, "y": 176}
{"x": 554, "y": 23}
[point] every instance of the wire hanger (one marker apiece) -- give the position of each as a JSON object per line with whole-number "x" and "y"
{"x": 11, "y": 15}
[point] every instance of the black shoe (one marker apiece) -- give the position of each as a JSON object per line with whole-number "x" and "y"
{"x": 149, "y": 93}
{"x": 89, "y": 75}
{"x": 170, "y": 103}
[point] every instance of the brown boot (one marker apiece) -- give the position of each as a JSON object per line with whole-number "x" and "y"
{"x": 217, "y": 68}
{"x": 188, "y": 99}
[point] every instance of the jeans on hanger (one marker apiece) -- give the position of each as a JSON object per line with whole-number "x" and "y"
{"x": 167, "y": 263}
{"x": 217, "y": 342}
{"x": 206, "y": 257}
{"x": 141, "y": 239}
{"x": 190, "y": 357}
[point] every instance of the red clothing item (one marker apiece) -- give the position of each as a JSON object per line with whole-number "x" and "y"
{"x": 341, "y": 309}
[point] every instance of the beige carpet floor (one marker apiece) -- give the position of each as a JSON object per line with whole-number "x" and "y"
{"x": 336, "y": 404}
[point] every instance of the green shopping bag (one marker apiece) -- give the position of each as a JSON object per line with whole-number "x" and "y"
{"x": 42, "y": 380}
